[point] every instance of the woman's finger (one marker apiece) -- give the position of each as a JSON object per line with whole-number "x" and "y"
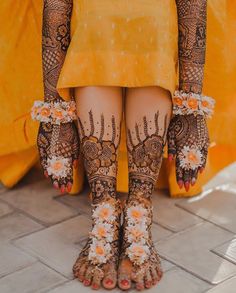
{"x": 179, "y": 174}
{"x": 187, "y": 179}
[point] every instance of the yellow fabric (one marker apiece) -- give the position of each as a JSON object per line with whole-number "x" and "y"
{"x": 21, "y": 84}
{"x": 122, "y": 43}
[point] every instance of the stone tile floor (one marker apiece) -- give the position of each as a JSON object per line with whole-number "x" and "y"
{"x": 42, "y": 232}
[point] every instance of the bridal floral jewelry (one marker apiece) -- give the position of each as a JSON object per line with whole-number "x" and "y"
{"x": 137, "y": 234}
{"x": 55, "y": 113}
{"x": 191, "y": 103}
{"x": 190, "y": 158}
{"x": 105, "y": 217}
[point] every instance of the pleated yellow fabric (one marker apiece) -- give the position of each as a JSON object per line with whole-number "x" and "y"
{"x": 21, "y": 75}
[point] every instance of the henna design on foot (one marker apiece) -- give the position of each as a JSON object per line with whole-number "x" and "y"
{"x": 97, "y": 262}
{"x": 139, "y": 260}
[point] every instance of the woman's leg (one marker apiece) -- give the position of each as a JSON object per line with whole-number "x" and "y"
{"x": 99, "y": 112}
{"x": 147, "y": 116}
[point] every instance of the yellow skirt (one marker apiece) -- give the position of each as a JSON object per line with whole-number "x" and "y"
{"x": 21, "y": 75}
{"x": 121, "y": 43}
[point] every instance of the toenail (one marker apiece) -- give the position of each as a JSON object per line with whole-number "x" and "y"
{"x": 125, "y": 282}
{"x": 109, "y": 282}
{"x": 148, "y": 284}
{"x": 86, "y": 282}
{"x": 95, "y": 286}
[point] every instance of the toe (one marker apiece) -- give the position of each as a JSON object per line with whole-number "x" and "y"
{"x": 140, "y": 284}
{"x": 148, "y": 279}
{"x": 159, "y": 273}
{"x": 97, "y": 278}
{"x": 154, "y": 276}
{"x": 88, "y": 276}
{"x": 82, "y": 271}
{"x": 110, "y": 277}
{"x": 77, "y": 266}
{"x": 124, "y": 275}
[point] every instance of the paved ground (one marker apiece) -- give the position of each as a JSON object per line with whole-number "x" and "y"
{"x": 42, "y": 232}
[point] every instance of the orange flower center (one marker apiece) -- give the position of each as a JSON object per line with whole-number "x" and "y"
{"x": 136, "y": 233}
{"x": 138, "y": 250}
{"x": 57, "y": 166}
{"x": 192, "y": 157}
{"x": 101, "y": 232}
{"x": 99, "y": 250}
{"x": 205, "y": 104}
{"x": 177, "y": 101}
{"x": 45, "y": 112}
{"x": 192, "y": 103}
{"x": 58, "y": 113}
{"x": 104, "y": 213}
{"x": 136, "y": 214}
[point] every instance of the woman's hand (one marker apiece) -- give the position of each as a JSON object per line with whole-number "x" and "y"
{"x": 188, "y": 141}
{"x": 58, "y": 141}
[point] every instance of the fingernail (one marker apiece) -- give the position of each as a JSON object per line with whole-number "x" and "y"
{"x": 95, "y": 286}
{"x": 193, "y": 181}
{"x": 180, "y": 183}
{"x": 46, "y": 174}
{"x": 55, "y": 184}
{"x": 201, "y": 170}
{"x": 62, "y": 189}
{"x": 69, "y": 186}
{"x": 170, "y": 157}
{"x": 186, "y": 185}
{"x": 75, "y": 163}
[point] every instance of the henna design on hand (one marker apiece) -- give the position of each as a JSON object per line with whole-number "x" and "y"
{"x": 192, "y": 20}
{"x": 189, "y": 132}
{"x": 56, "y": 140}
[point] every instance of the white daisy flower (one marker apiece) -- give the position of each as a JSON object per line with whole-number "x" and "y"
{"x": 58, "y": 166}
{"x": 138, "y": 252}
{"x": 103, "y": 230}
{"x": 137, "y": 232}
{"x": 104, "y": 212}
{"x": 136, "y": 214}
{"x": 207, "y": 105}
{"x": 99, "y": 251}
{"x": 190, "y": 158}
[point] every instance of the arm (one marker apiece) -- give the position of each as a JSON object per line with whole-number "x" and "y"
{"x": 55, "y": 42}
{"x": 58, "y": 141}
{"x": 188, "y": 137}
{"x": 192, "y": 18}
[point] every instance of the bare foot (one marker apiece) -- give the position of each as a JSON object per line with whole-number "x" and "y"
{"x": 97, "y": 262}
{"x": 139, "y": 260}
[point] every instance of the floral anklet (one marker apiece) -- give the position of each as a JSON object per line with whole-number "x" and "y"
{"x": 136, "y": 231}
{"x": 191, "y": 103}
{"x": 102, "y": 235}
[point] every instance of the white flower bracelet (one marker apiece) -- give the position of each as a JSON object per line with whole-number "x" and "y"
{"x": 54, "y": 112}
{"x": 191, "y": 103}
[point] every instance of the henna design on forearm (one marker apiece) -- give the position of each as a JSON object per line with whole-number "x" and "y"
{"x": 56, "y": 140}
{"x": 192, "y": 22}
{"x": 55, "y": 42}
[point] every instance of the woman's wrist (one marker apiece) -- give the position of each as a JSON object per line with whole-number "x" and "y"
{"x": 54, "y": 112}
{"x": 185, "y": 103}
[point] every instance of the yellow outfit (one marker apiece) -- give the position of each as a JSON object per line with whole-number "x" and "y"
{"x": 121, "y": 55}
{"x": 121, "y": 43}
